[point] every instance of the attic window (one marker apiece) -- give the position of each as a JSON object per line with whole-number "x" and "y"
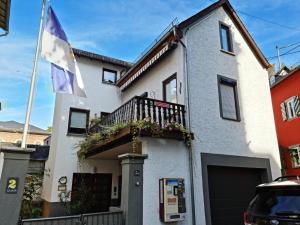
{"x": 225, "y": 37}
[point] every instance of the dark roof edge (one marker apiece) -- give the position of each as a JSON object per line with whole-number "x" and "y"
{"x": 102, "y": 58}
{"x": 227, "y": 6}
{"x": 285, "y": 77}
{"x": 200, "y": 14}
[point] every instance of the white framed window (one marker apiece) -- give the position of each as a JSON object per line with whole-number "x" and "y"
{"x": 290, "y": 108}
{"x": 170, "y": 89}
{"x": 295, "y": 155}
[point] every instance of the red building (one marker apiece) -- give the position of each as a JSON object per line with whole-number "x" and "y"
{"x": 285, "y": 97}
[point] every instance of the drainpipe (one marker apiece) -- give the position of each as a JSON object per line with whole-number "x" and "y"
{"x": 187, "y": 97}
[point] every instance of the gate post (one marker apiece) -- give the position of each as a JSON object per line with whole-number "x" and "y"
{"x": 13, "y": 169}
{"x": 132, "y": 188}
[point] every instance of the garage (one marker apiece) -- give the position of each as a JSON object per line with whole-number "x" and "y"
{"x": 229, "y": 185}
{"x": 230, "y": 191}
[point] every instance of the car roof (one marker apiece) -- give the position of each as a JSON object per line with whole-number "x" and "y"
{"x": 279, "y": 183}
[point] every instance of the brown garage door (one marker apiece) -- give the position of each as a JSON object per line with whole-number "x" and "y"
{"x": 230, "y": 191}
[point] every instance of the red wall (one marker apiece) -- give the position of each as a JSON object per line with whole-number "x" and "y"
{"x": 288, "y": 132}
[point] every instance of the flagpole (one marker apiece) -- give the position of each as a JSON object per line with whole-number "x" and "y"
{"x": 33, "y": 79}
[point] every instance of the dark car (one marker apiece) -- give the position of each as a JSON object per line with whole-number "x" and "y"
{"x": 275, "y": 203}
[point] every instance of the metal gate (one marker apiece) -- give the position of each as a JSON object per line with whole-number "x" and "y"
{"x": 103, "y": 218}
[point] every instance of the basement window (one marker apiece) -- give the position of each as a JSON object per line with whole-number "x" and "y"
{"x": 228, "y": 99}
{"x": 78, "y": 121}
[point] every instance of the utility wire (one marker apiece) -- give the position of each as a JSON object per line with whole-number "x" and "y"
{"x": 291, "y": 49}
{"x": 265, "y": 20}
{"x": 273, "y": 57}
{"x": 287, "y": 46}
{"x": 269, "y": 21}
{"x": 287, "y": 52}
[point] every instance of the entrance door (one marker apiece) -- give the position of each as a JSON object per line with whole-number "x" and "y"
{"x": 230, "y": 191}
{"x": 91, "y": 192}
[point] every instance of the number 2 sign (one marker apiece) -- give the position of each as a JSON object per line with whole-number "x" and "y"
{"x": 12, "y": 185}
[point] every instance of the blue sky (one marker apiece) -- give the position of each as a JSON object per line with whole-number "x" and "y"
{"x": 121, "y": 29}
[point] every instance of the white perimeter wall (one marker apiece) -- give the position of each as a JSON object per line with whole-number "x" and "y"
{"x": 166, "y": 159}
{"x": 63, "y": 158}
{"x": 255, "y": 135}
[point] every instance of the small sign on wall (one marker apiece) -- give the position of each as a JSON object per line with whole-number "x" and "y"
{"x": 12, "y": 185}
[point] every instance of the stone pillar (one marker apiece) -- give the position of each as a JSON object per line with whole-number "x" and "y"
{"x": 132, "y": 188}
{"x": 13, "y": 169}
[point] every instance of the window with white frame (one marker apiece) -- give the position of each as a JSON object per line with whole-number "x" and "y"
{"x": 295, "y": 155}
{"x": 290, "y": 108}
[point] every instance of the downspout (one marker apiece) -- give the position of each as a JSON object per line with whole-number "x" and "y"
{"x": 187, "y": 97}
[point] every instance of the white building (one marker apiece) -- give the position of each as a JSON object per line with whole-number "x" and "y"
{"x": 208, "y": 66}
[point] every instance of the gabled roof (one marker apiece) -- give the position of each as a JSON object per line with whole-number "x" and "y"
{"x": 4, "y": 14}
{"x": 235, "y": 18}
{"x": 13, "y": 126}
{"x": 102, "y": 58}
{"x": 282, "y": 71}
{"x": 175, "y": 33}
{"x": 282, "y": 78}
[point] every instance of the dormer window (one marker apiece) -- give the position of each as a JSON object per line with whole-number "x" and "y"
{"x": 109, "y": 76}
{"x": 226, "y": 39}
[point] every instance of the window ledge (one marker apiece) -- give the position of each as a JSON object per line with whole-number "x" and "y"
{"x": 75, "y": 135}
{"x": 105, "y": 82}
{"x": 227, "y": 52}
{"x": 234, "y": 120}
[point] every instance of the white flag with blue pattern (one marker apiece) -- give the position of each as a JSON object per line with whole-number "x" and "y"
{"x": 56, "y": 49}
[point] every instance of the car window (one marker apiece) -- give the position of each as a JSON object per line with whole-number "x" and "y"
{"x": 276, "y": 203}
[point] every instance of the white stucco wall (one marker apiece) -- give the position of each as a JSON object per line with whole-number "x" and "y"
{"x": 166, "y": 159}
{"x": 63, "y": 159}
{"x": 151, "y": 81}
{"x": 255, "y": 134}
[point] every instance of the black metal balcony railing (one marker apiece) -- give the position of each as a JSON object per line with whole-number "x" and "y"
{"x": 139, "y": 108}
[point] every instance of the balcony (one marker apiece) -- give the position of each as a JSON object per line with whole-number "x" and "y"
{"x": 139, "y": 117}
